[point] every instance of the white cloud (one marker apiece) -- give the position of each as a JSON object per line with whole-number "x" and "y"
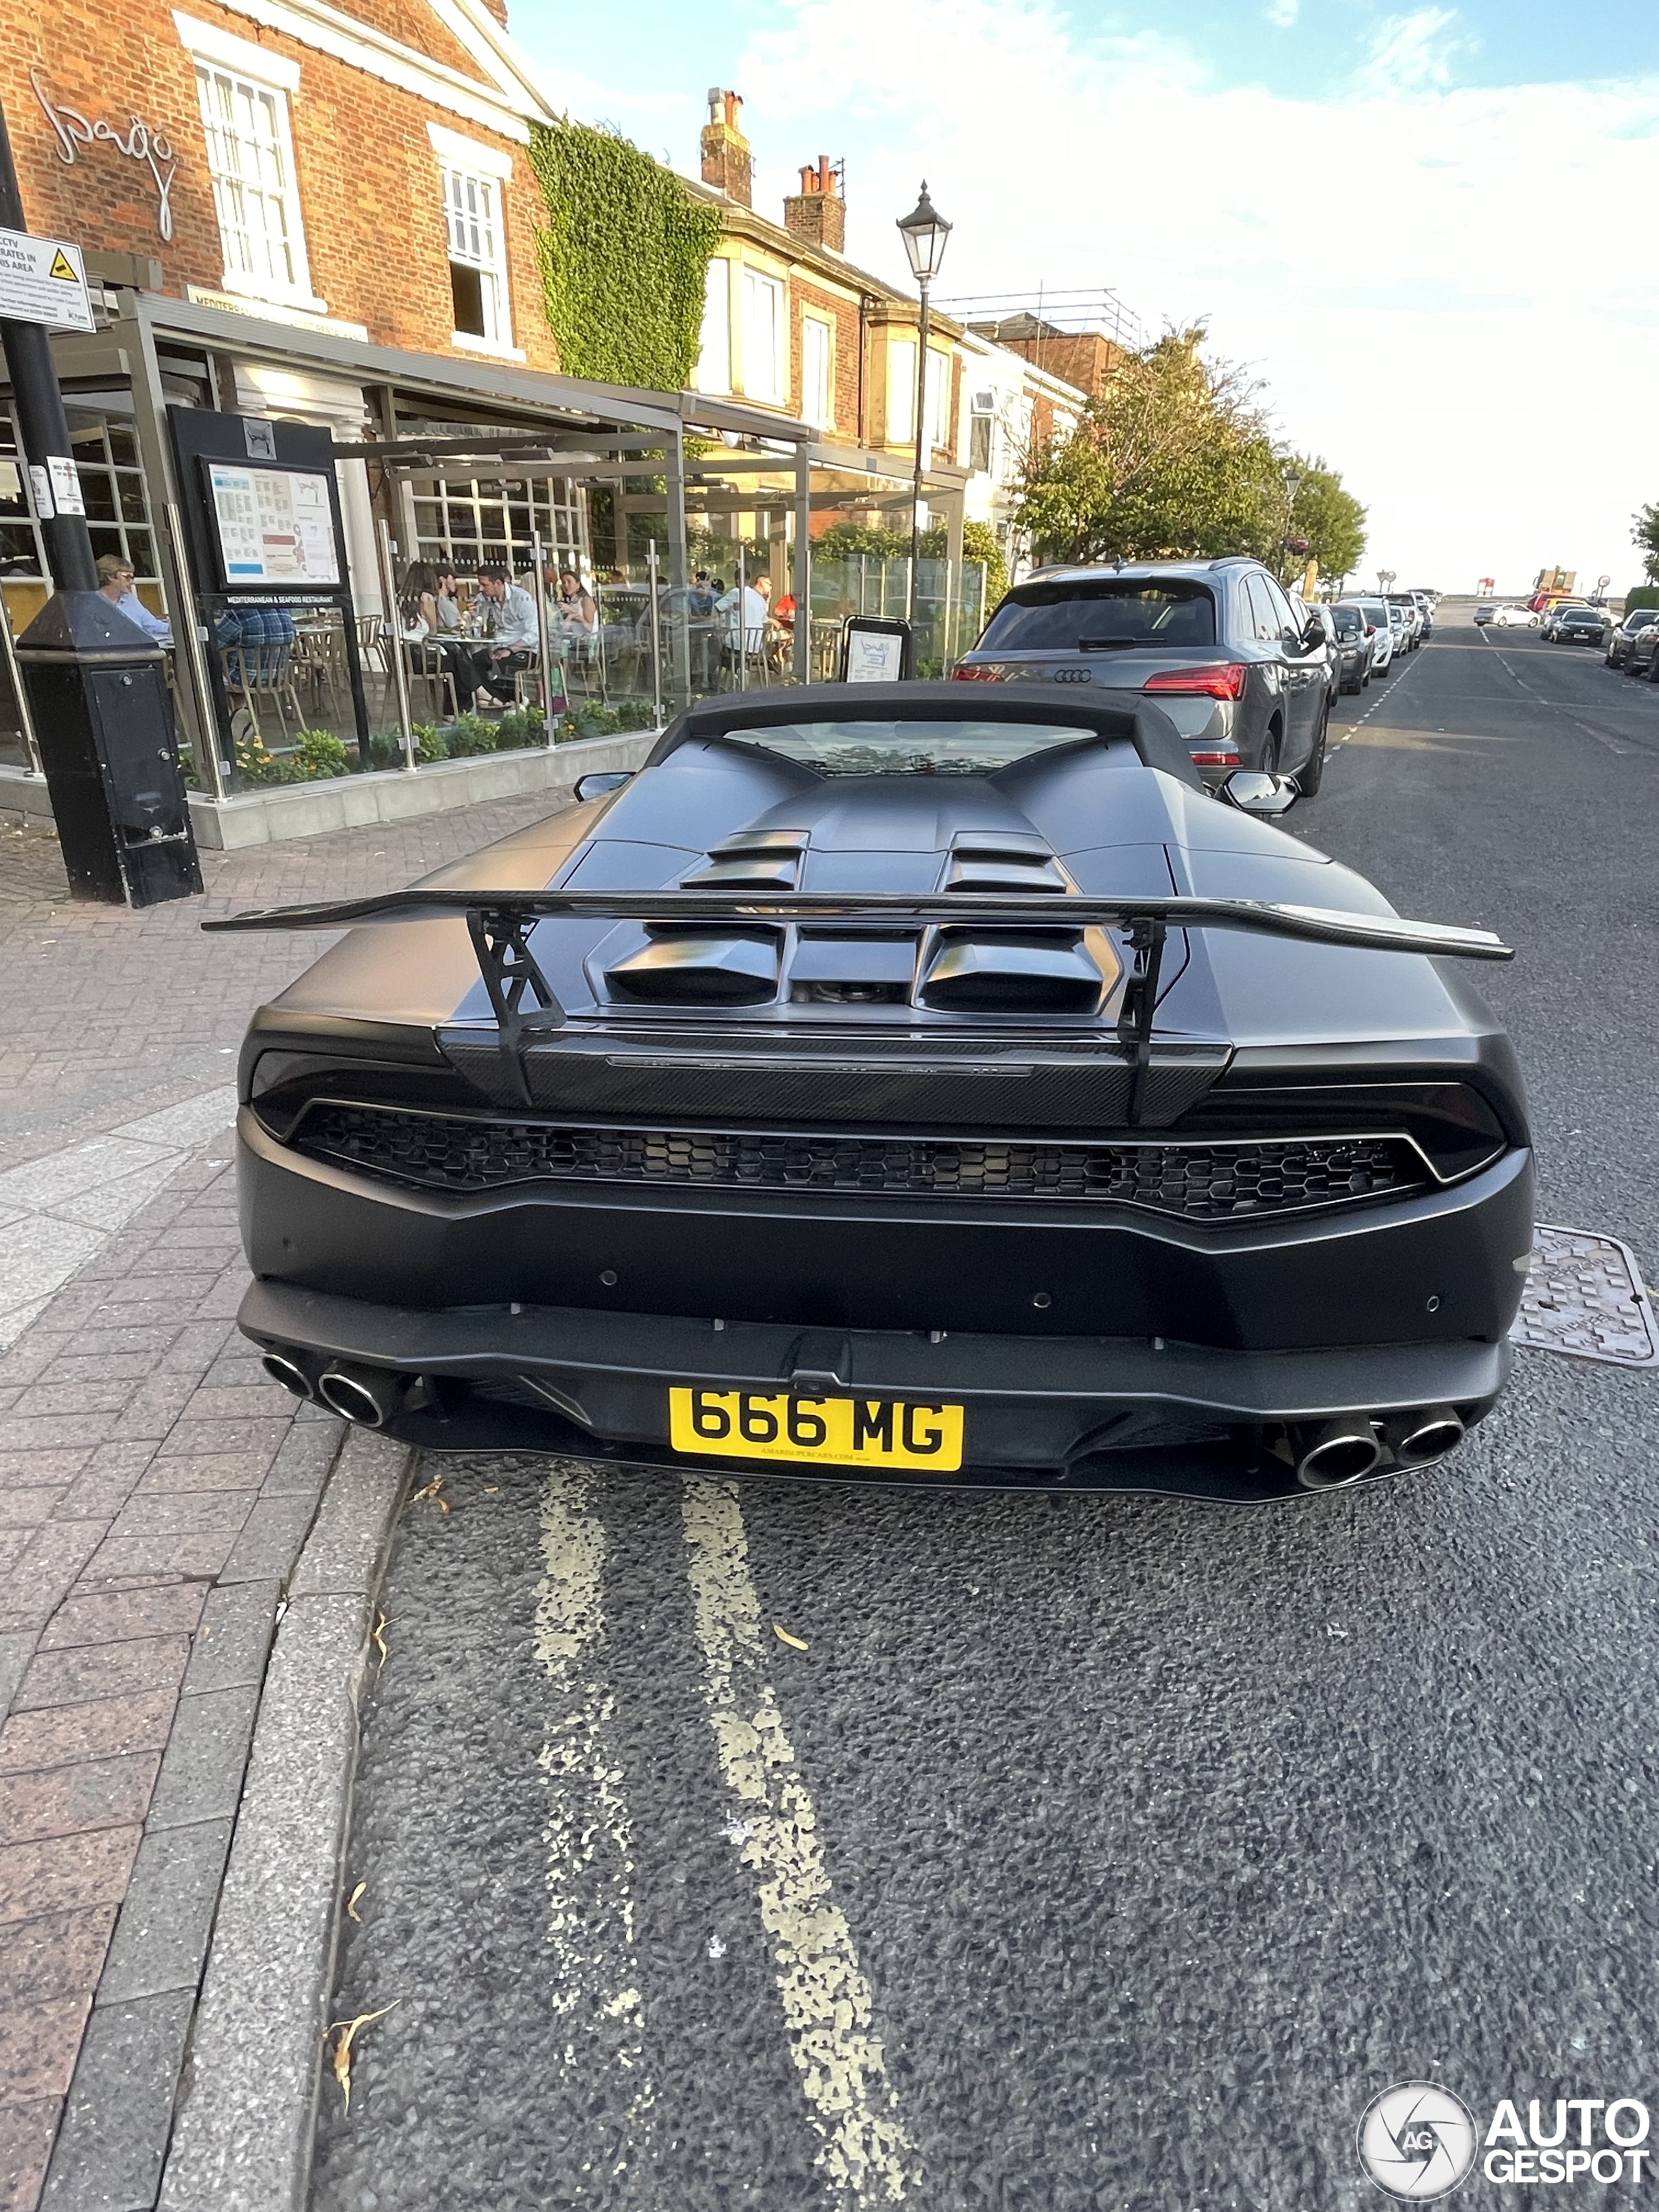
{"x": 1409, "y": 54}
{"x": 1282, "y": 14}
{"x": 1385, "y": 261}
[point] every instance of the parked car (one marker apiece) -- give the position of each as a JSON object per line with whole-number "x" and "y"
{"x": 1425, "y": 608}
{"x": 1353, "y": 646}
{"x": 1619, "y": 639}
{"x": 686, "y": 1139}
{"x": 1483, "y": 615}
{"x": 1315, "y": 611}
{"x": 1517, "y": 618}
{"x": 1380, "y": 632}
{"x": 1642, "y": 652}
{"x": 1413, "y": 614}
{"x": 1216, "y": 643}
{"x": 1399, "y": 625}
{"x": 1548, "y": 626}
{"x": 1581, "y": 625}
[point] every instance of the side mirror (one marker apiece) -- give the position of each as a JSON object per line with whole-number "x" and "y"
{"x": 1265, "y": 796}
{"x": 1312, "y": 638}
{"x": 602, "y": 781}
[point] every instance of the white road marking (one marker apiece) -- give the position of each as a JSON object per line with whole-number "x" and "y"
{"x": 1612, "y": 744}
{"x": 589, "y": 1832}
{"x": 827, "y": 2005}
{"x": 1382, "y": 696}
{"x": 59, "y": 1210}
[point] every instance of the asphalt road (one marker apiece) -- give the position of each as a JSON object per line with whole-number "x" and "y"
{"x": 1105, "y": 1854}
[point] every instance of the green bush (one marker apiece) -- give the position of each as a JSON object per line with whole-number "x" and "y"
{"x": 520, "y": 726}
{"x": 591, "y": 720}
{"x": 429, "y": 746}
{"x": 1643, "y": 595}
{"x": 321, "y": 753}
{"x": 469, "y": 734}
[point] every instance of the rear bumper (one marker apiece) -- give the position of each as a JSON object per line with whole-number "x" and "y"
{"x": 1437, "y": 1265}
{"x": 1055, "y": 1413}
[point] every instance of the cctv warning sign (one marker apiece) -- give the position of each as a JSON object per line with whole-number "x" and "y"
{"x": 42, "y": 280}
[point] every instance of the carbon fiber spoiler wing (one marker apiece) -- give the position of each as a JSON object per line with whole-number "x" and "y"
{"x": 499, "y": 923}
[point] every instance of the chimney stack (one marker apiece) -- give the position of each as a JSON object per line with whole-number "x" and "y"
{"x": 817, "y": 214}
{"x": 727, "y": 163}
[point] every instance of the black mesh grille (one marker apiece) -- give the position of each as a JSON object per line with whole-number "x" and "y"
{"x": 1203, "y": 1182}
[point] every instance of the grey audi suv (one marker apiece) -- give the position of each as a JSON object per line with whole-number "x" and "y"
{"x": 1216, "y": 644}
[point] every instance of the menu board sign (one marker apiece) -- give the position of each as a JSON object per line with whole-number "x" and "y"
{"x": 276, "y": 526}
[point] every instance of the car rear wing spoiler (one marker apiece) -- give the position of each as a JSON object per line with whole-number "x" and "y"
{"x": 499, "y": 923}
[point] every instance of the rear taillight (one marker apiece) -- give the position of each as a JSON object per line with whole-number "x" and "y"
{"x": 964, "y": 672}
{"x": 1370, "y": 630}
{"x": 1228, "y": 759}
{"x": 1218, "y": 680}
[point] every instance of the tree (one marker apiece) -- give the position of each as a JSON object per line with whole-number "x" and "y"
{"x": 1646, "y": 537}
{"x": 1172, "y": 458}
{"x": 1331, "y": 521}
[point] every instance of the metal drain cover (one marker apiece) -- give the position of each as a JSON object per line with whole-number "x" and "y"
{"x": 1584, "y": 1298}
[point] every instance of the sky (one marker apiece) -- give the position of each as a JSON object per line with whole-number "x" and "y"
{"x": 1410, "y": 224}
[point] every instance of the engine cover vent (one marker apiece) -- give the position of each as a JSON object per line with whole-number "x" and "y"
{"x": 707, "y": 968}
{"x": 1036, "y": 971}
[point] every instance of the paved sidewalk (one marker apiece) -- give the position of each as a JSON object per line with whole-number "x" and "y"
{"x": 154, "y": 1488}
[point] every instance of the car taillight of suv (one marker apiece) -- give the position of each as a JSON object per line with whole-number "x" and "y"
{"x": 1218, "y": 680}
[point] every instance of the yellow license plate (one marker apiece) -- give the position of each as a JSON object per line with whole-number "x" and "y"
{"x": 838, "y": 1432}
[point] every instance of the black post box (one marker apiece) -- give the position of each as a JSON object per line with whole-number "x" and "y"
{"x": 97, "y": 692}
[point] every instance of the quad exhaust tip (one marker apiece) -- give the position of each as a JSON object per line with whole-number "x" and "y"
{"x": 1340, "y": 1453}
{"x": 1421, "y": 1438}
{"x": 353, "y": 1397}
{"x": 289, "y": 1374}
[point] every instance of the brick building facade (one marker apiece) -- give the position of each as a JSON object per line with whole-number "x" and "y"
{"x": 373, "y": 179}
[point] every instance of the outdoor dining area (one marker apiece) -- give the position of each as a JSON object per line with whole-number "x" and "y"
{"x": 523, "y": 558}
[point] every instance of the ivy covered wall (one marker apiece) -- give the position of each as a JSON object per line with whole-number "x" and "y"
{"x": 624, "y": 256}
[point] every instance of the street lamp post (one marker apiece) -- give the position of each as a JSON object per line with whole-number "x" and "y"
{"x": 1292, "y": 479}
{"x": 924, "y": 231}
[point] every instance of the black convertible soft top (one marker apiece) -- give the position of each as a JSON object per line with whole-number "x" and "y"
{"x": 1146, "y": 727}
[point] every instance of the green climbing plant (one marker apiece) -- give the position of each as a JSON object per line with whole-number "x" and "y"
{"x": 624, "y": 257}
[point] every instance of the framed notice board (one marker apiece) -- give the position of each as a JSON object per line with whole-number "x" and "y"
{"x": 271, "y": 526}
{"x": 259, "y": 504}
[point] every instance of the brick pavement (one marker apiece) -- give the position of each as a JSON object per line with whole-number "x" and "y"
{"x": 154, "y": 1489}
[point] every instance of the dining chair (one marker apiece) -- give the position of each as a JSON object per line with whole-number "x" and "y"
{"x": 254, "y": 672}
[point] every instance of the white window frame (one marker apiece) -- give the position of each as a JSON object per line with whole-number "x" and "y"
{"x": 272, "y": 78}
{"x": 769, "y": 386}
{"x": 818, "y": 406}
{"x": 472, "y": 182}
{"x": 713, "y": 369}
{"x": 900, "y": 391}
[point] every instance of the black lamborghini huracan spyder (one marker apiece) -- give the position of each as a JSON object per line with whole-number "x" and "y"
{"x": 883, "y": 1084}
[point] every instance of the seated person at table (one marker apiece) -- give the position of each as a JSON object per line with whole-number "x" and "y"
{"x": 450, "y": 622}
{"x": 510, "y": 614}
{"x": 420, "y": 620}
{"x": 700, "y": 600}
{"x": 260, "y": 629}
{"x": 116, "y": 584}
{"x": 746, "y": 613}
{"x": 576, "y": 602}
